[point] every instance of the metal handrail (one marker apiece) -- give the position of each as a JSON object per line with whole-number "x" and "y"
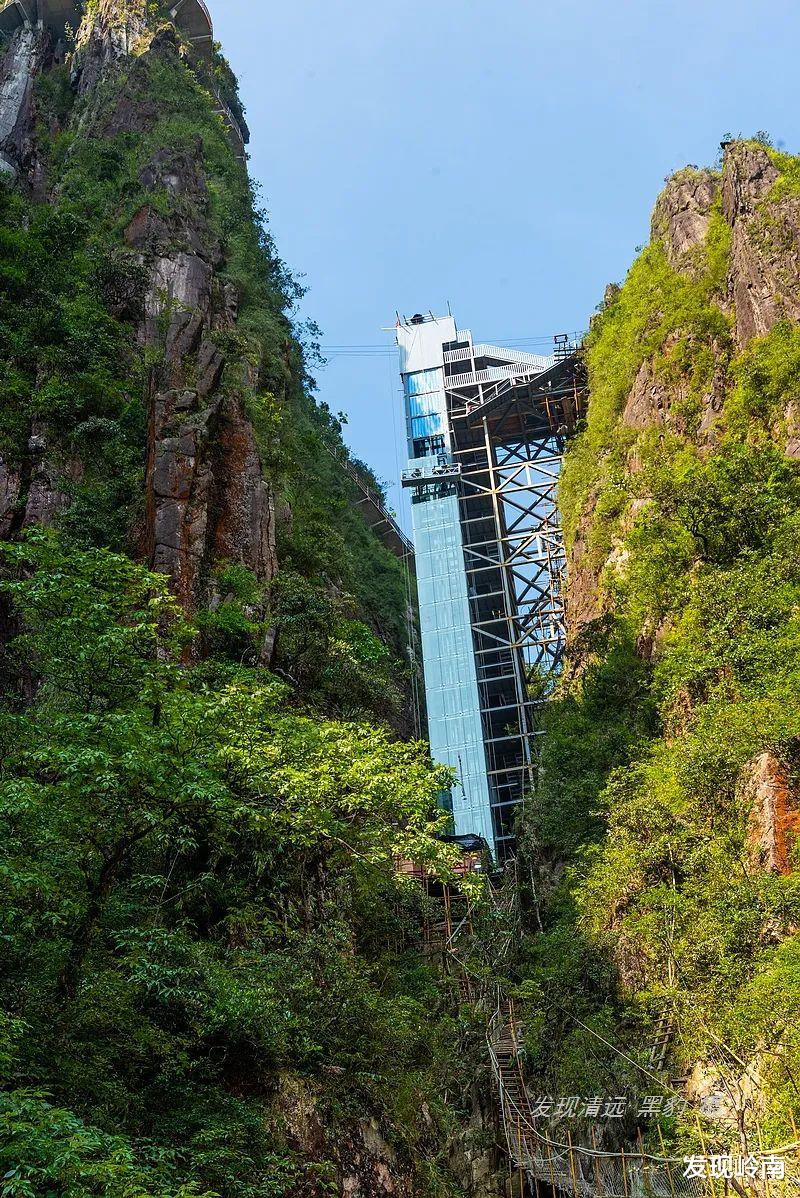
{"x": 576, "y": 1168}
{"x": 485, "y": 350}
{"x": 373, "y": 496}
{"x": 493, "y": 374}
{"x": 430, "y": 474}
{"x": 611, "y": 1174}
{"x": 233, "y": 124}
{"x": 24, "y": 16}
{"x": 202, "y": 4}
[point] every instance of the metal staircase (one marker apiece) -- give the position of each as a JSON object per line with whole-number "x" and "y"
{"x": 374, "y": 510}
{"x": 547, "y": 1160}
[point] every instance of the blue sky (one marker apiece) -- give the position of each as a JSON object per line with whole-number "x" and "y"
{"x": 502, "y": 155}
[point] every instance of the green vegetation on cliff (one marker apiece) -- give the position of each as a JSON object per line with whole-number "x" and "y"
{"x": 668, "y": 319}
{"x": 198, "y": 899}
{"x": 74, "y": 293}
{"x": 664, "y": 829}
{"x": 212, "y": 980}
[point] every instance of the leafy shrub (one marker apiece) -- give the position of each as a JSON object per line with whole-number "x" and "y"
{"x": 198, "y": 893}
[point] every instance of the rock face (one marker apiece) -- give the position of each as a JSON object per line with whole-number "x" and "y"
{"x": 367, "y": 1166}
{"x": 764, "y": 281}
{"x": 683, "y": 211}
{"x": 655, "y": 401}
{"x": 34, "y": 492}
{"x": 582, "y": 596}
{"x": 793, "y": 430}
{"x": 207, "y": 498}
{"x": 19, "y": 70}
{"x": 774, "y": 814}
{"x": 114, "y": 30}
{"x": 472, "y": 1156}
{"x": 762, "y": 288}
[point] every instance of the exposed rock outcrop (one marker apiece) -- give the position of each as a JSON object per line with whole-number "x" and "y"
{"x": 10, "y": 486}
{"x": 36, "y": 490}
{"x": 764, "y": 280}
{"x": 774, "y": 814}
{"x": 207, "y": 497}
{"x": 367, "y": 1165}
{"x": 19, "y": 69}
{"x": 109, "y": 32}
{"x": 793, "y": 431}
{"x": 762, "y": 288}
{"x": 582, "y": 595}
{"x": 656, "y": 399}
{"x": 683, "y": 211}
{"x": 473, "y": 1156}
{"x": 723, "y": 1098}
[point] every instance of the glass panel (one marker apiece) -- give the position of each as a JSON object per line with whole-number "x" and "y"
{"x": 454, "y": 719}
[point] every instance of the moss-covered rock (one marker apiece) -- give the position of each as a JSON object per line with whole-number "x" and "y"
{"x": 681, "y": 501}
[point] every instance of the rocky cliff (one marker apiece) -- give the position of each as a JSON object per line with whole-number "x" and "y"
{"x": 665, "y": 834}
{"x": 741, "y": 225}
{"x": 167, "y": 405}
{"x": 214, "y": 981}
{"x": 206, "y": 496}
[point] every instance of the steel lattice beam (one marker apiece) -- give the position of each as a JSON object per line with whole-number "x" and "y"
{"x": 508, "y": 440}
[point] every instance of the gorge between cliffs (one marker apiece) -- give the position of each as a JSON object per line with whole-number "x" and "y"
{"x": 216, "y": 976}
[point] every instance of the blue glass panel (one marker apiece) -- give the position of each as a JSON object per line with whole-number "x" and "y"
{"x": 426, "y": 406}
{"x": 454, "y": 719}
{"x": 425, "y": 426}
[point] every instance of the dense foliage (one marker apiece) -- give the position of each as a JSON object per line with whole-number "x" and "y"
{"x": 209, "y": 968}
{"x": 197, "y": 898}
{"x": 645, "y": 834}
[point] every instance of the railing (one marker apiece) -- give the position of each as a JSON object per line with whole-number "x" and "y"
{"x": 430, "y": 474}
{"x": 202, "y": 4}
{"x": 376, "y": 501}
{"x": 233, "y": 125}
{"x": 496, "y": 373}
{"x": 458, "y": 355}
{"x": 560, "y": 418}
{"x": 17, "y": 7}
{"x": 576, "y": 1169}
{"x": 538, "y": 361}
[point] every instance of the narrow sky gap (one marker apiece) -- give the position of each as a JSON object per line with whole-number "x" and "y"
{"x": 499, "y": 157}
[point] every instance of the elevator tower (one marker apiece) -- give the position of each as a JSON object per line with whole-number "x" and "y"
{"x": 487, "y": 428}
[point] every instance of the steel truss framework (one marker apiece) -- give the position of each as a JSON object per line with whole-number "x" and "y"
{"x": 508, "y": 439}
